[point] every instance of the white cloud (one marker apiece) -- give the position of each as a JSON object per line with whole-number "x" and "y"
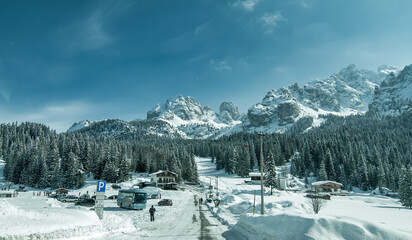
{"x": 57, "y": 116}
{"x": 248, "y": 5}
{"x": 201, "y": 28}
{"x": 91, "y": 32}
{"x": 271, "y": 21}
{"x": 220, "y": 66}
{"x": 301, "y": 3}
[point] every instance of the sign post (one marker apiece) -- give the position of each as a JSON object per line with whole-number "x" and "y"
{"x": 99, "y": 206}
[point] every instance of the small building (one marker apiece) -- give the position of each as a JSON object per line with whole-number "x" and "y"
{"x": 164, "y": 179}
{"x": 255, "y": 177}
{"x": 62, "y": 191}
{"x": 283, "y": 177}
{"x": 282, "y": 183}
{"x": 326, "y": 186}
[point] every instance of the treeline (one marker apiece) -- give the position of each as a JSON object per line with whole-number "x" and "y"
{"x": 362, "y": 151}
{"x": 37, "y": 156}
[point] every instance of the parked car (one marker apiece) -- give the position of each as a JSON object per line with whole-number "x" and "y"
{"x": 87, "y": 202}
{"x": 22, "y": 188}
{"x": 165, "y": 202}
{"x": 94, "y": 197}
{"x": 53, "y": 195}
{"x": 67, "y": 198}
{"x": 85, "y": 196}
{"x": 155, "y": 196}
{"x": 116, "y": 186}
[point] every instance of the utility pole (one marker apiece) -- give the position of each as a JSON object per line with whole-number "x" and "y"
{"x": 261, "y": 173}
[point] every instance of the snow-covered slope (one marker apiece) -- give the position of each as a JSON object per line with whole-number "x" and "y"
{"x": 79, "y": 125}
{"x": 350, "y": 91}
{"x": 394, "y": 96}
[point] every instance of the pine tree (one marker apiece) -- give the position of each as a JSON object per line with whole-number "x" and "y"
{"x": 124, "y": 169}
{"x": 322, "y": 175}
{"x": 405, "y": 187}
{"x": 109, "y": 172}
{"x": 363, "y": 174}
{"x": 270, "y": 177}
{"x": 330, "y": 168}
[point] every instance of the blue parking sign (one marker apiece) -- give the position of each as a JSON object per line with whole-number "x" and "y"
{"x": 101, "y": 186}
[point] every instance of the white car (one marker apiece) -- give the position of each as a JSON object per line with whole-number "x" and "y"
{"x": 67, "y": 198}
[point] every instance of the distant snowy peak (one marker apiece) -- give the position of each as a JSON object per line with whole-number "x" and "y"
{"x": 79, "y": 125}
{"x": 178, "y": 110}
{"x": 193, "y": 119}
{"x": 394, "y": 96}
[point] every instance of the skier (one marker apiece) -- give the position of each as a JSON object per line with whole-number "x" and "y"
{"x": 152, "y": 210}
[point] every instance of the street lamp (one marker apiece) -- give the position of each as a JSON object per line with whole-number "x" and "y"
{"x": 261, "y": 173}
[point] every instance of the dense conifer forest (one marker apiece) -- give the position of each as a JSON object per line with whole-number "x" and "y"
{"x": 362, "y": 151}
{"x": 39, "y": 157}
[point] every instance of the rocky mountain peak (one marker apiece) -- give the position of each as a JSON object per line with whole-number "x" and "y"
{"x": 394, "y": 96}
{"x": 186, "y": 109}
{"x": 229, "y": 112}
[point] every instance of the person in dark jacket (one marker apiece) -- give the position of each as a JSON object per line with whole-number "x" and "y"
{"x": 152, "y": 210}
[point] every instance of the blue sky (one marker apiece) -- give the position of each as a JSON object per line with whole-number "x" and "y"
{"x": 62, "y": 61}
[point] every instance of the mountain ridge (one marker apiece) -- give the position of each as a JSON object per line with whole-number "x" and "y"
{"x": 350, "y": 91}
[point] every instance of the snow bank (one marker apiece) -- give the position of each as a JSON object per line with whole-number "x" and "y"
{"x": 287, "y": 226}
{"x": 18, "y": 221}
{"x": 289, "y": 215}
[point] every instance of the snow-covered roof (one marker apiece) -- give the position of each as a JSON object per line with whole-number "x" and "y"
{"x": 255, "y": 174}
{"x": 161, "y": 171}
{"x": 318, "y": 183}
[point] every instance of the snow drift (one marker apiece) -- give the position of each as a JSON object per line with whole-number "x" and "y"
{"x": 288, "y": 226}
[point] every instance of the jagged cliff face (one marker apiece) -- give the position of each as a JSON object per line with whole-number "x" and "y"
{"x": 229, "y": 112}
{"x": 351, "y": 91}
{"x": 394, "y": 96}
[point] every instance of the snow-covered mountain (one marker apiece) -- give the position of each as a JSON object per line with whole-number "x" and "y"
{"x": 194, "y": 120}
{"x": 394, "y": 96}
{"x": 79, "y": 125}
{"x": 350, "y": 91}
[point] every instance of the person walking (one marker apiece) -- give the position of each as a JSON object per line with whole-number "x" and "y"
{"x": 152, "y": 210}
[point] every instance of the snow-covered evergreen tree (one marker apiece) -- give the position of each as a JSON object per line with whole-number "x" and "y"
{"x": 270, "y": 177}
{"x": 405, "y": 187}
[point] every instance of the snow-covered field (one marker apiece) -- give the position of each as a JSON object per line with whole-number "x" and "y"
{"x": 288, "y": 215}
{"x": 38, "y": 217}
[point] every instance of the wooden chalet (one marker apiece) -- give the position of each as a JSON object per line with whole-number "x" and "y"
{"x": 164, "y": 179}
{"x": 326, "y": 186}
{"x": 255, "y": 177}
